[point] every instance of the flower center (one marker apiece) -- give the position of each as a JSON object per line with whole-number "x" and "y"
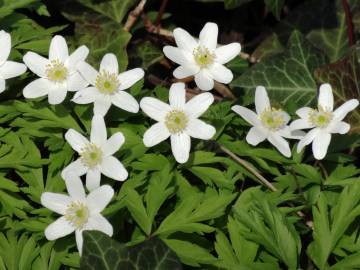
{"x": 77, "y": 213}
{"x": 56, "y": 71}
{"x": 107, "y": 83}
{"x": 203, "y": 57}
{"x": 91, "y": 155}
{"x": 320, "y": 118}
{"x": 273, "y": 118}
{"x": 176, "y": 121}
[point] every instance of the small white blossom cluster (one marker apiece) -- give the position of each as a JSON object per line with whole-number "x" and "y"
{"x": 204, "y": 60}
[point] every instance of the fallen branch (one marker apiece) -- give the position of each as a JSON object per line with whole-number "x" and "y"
{"x": 133, "y": 15}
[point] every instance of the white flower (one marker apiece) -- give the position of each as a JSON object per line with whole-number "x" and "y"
{"x": 108, "y": 85}
{"x": 96, "y": 155}
{"x": 79, "y": 212}
{"x": 202, "y": 58}
{"x": 58, "y": 74}
{"x": 324, "y": 121}
{"x": 8, "y": 69}
{"x": 179, "y": 120}
{"x": 268, "y": 123}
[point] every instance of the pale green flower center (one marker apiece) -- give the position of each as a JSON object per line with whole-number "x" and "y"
{"x": 56, "y": 71}
{"x": 203, "y": 57}
{"x": 320, "y": 118}
{"x": 273, "y": 118}
{"x": 91, "y": 155}
{"x": 107, "y": 83}
{"x": 77, "y": 213}
{"x": 176, "y": 121}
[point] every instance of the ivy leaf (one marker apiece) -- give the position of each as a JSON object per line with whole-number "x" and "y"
{"x": 114, "y": 9}
{"x": 344, "y": 77}
{"x": 275, "y": 6}
{"x": 288, "y": 77}
{"x": 148, "y": 53}
{"x": 102, "y": 252}
{"x": 330, "y": 225}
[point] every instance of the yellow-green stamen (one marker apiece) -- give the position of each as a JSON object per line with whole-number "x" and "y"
{"x": 176, "y": 121}
{"x": 273, "y": 118}
{"x": 320, "y": 118}
{"x": 56, "y": 71}
{"x": 203, "y": 57}
{"x": 91, "y": 155}
{"x": 107, "y": 83}
{"x": 77, "y": 213}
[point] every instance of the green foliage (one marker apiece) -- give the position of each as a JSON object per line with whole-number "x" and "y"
{"x": 102, "y": 252}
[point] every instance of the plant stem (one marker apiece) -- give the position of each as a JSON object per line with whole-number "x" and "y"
{"x": 133, "y": 15}
{"x": 349, "y": 23}
{"x": 161, "y": 12}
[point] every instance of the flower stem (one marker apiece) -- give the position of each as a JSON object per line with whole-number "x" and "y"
{"x": 348, "y": 22}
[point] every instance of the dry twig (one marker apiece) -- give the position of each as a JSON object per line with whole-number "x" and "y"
{"x": 133, "y": 15}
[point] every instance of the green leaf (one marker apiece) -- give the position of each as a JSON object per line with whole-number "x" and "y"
{"x": 344, "y": 77}
{"x": 329, "y": 226}
{"x": 8, "y": 6}
{"x": 102, "y": 252}
{"x": 190, "y": 253}
{"x": 275, "y": 6}
{"x": 148, "y": 53}
{"x": 270, "y": 46}
{"x": 115, "y": 10}
{"x": 288, "y": 77}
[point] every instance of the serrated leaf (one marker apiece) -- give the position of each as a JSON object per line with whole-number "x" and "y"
{"x": 102, "y": 252}
{"x": 288, "y": 77}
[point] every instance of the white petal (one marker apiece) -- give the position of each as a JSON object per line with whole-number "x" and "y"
{"x": 247, "y": 114}
{"x": 340, "y": 127}
{"x": 180, "y": 146}
{"x": 76, "y": 140}
{"x": 12, "y": 69}
{"x": 345, "y": 108}
{"x": 227, "y": 52}
{"x": 154, "y": 108}
{"x": 93, "y": 178}
{"x": 2, "y": 85}
{"x": 101, "y": 106}
{"x": 5, "y": 41}
{"x": 304, "y": 112}
{"x": 255, "y": 136}
{"x": 36, "y": 63}
{"x": 112, "y": 168}
{"x": 320, "y": 145}
{"x": 182, "y": 72}
{"x": 125, "y": 101}
{"x": 58, "y": 49}
{"x": 262, "y": 101}
{"x": 98, "y": 133}
{"x": 59, "y": 228}
{"x": 300, "y": 124}
{"x": 79, "y": 240}
{"x": 109, "y": 63}
{"x": 200, "y": 130}
{"x": 179, "y": 56}
{"x": 99, "y": 198}
{"x": 177, "y": 95}
{"x": 307, "y": 139}
{"x": 208, "y": 36}
{"x": 156, "y": 134}
{"x": 77, "y": 56}
{"x": 88, "y": 72}
{"x": 76, "y": 82}
{"x": 76, "y": 167}
{"x": 99, "y": 223}
{"x": 130, "y": 77}
{"x": 57, "y": 95}
{"x": 280, "y": 143}
{"x": 204, "y": 80}
{"x": 113, "y": 144}
{"x": 184, "y": 40}
{"x": 199, "y": 104}
{"x": 326, "y": 98}
{"x": 221, "y": 73}
{"x": 86, "y": 96}
{"x": 38, "y": 88}
{"x": 55, "y": 202}
{"x": 74, "y": 186}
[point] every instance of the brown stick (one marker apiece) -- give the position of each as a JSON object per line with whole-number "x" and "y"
{"x": 133, "y": 15}
{"x": 161, "y": 12}
{"x": 349, "y": 23}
